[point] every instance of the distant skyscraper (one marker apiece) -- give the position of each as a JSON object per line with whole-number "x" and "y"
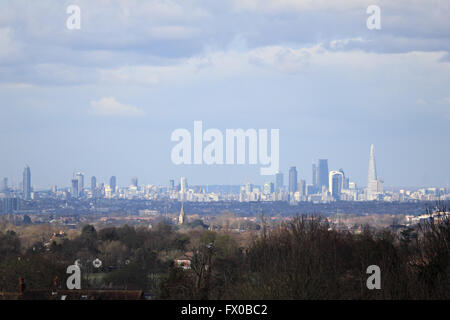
{"x": 314, "y": 175}
{"x": 310, "y": 189}
{"x": 346, "y": 181}
{"x": 372, "y": 175}
{"x": 278, "y": 181}
{"x": 27, "y": 183}
{"x": 292, "y": 179}
{"x": 80, "y": 177}
{"x": 302, "y": 187}
{"x": 374, "y": 186}
{"x": 322, "y": 174}
{"x": 8, "y": 205}
{"x": 336, "y": 179}
{"x": 183, "y": 184}
{"x": 113, "y": 184}
{"x": 171, "y": 185}
{"x": 74, "y": 190}
{"x": 134, "y": 181}
{"x": 93, "y": 183}
{"x": 268, "y": 188}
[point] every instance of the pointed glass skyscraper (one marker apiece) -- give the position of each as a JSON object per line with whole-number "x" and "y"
{"x": 374, "y": 186}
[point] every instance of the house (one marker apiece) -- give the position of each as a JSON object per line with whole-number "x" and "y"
{"x": 184, "y": 261}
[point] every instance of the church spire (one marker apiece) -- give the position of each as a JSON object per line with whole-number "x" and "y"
{"x": 182, "y": 216}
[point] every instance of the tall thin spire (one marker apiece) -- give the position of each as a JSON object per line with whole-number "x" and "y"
{"x": 374, "y": 186}
{"x": 182, "y": 216}
{"x": 372, "y": 167}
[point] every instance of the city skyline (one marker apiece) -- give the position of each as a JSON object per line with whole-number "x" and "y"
{"x": 321, "y": 179}
{"x": 235, "y": 174}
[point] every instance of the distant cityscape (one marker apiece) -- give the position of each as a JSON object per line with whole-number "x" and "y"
{"x": 327, "y": 186}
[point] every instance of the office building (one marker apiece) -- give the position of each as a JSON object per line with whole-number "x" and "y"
{"x": 183, "y": 185}
{"x": 27, "y": 183}
{"x": 322, "y": 174}
{"x": 113, "y": 184}
{"x": 134, "y": 182}
{"x": 335, "y": 182}
{"x": 278, "y": 181}
{"x": 269, "y": 188}
{"x": 80, "y": 177}
{"x": 302, "y": 187}
{"x": 74, "y": 192}
{"x": 8, "y": 205}
{"x": 292, "y": 180}
{"x": 93, "y": 183}
{"x": 314, "y": 175}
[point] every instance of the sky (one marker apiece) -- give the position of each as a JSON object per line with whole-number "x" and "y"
{"x": 105, "y": 98}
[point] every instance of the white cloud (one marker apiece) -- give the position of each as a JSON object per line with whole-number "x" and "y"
{"x": 109, "y": 106}
{"x": 216, "y": 64}
{"x": 342, "y": 43}
{"x": 283, "y": 59}
{"x": 272, "y": 60}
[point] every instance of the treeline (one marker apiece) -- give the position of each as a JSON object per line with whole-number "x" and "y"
{"x": 307, "y": 259}
{"x": 132, "y": 258}
{"x": 303, "y": 259}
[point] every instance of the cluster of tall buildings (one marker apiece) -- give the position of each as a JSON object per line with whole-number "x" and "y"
{"x": 322, "y": 179}
{"x": 9, "y": 201}
{"x": 326, "y": 185}
{"x": 78, "y": 190}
